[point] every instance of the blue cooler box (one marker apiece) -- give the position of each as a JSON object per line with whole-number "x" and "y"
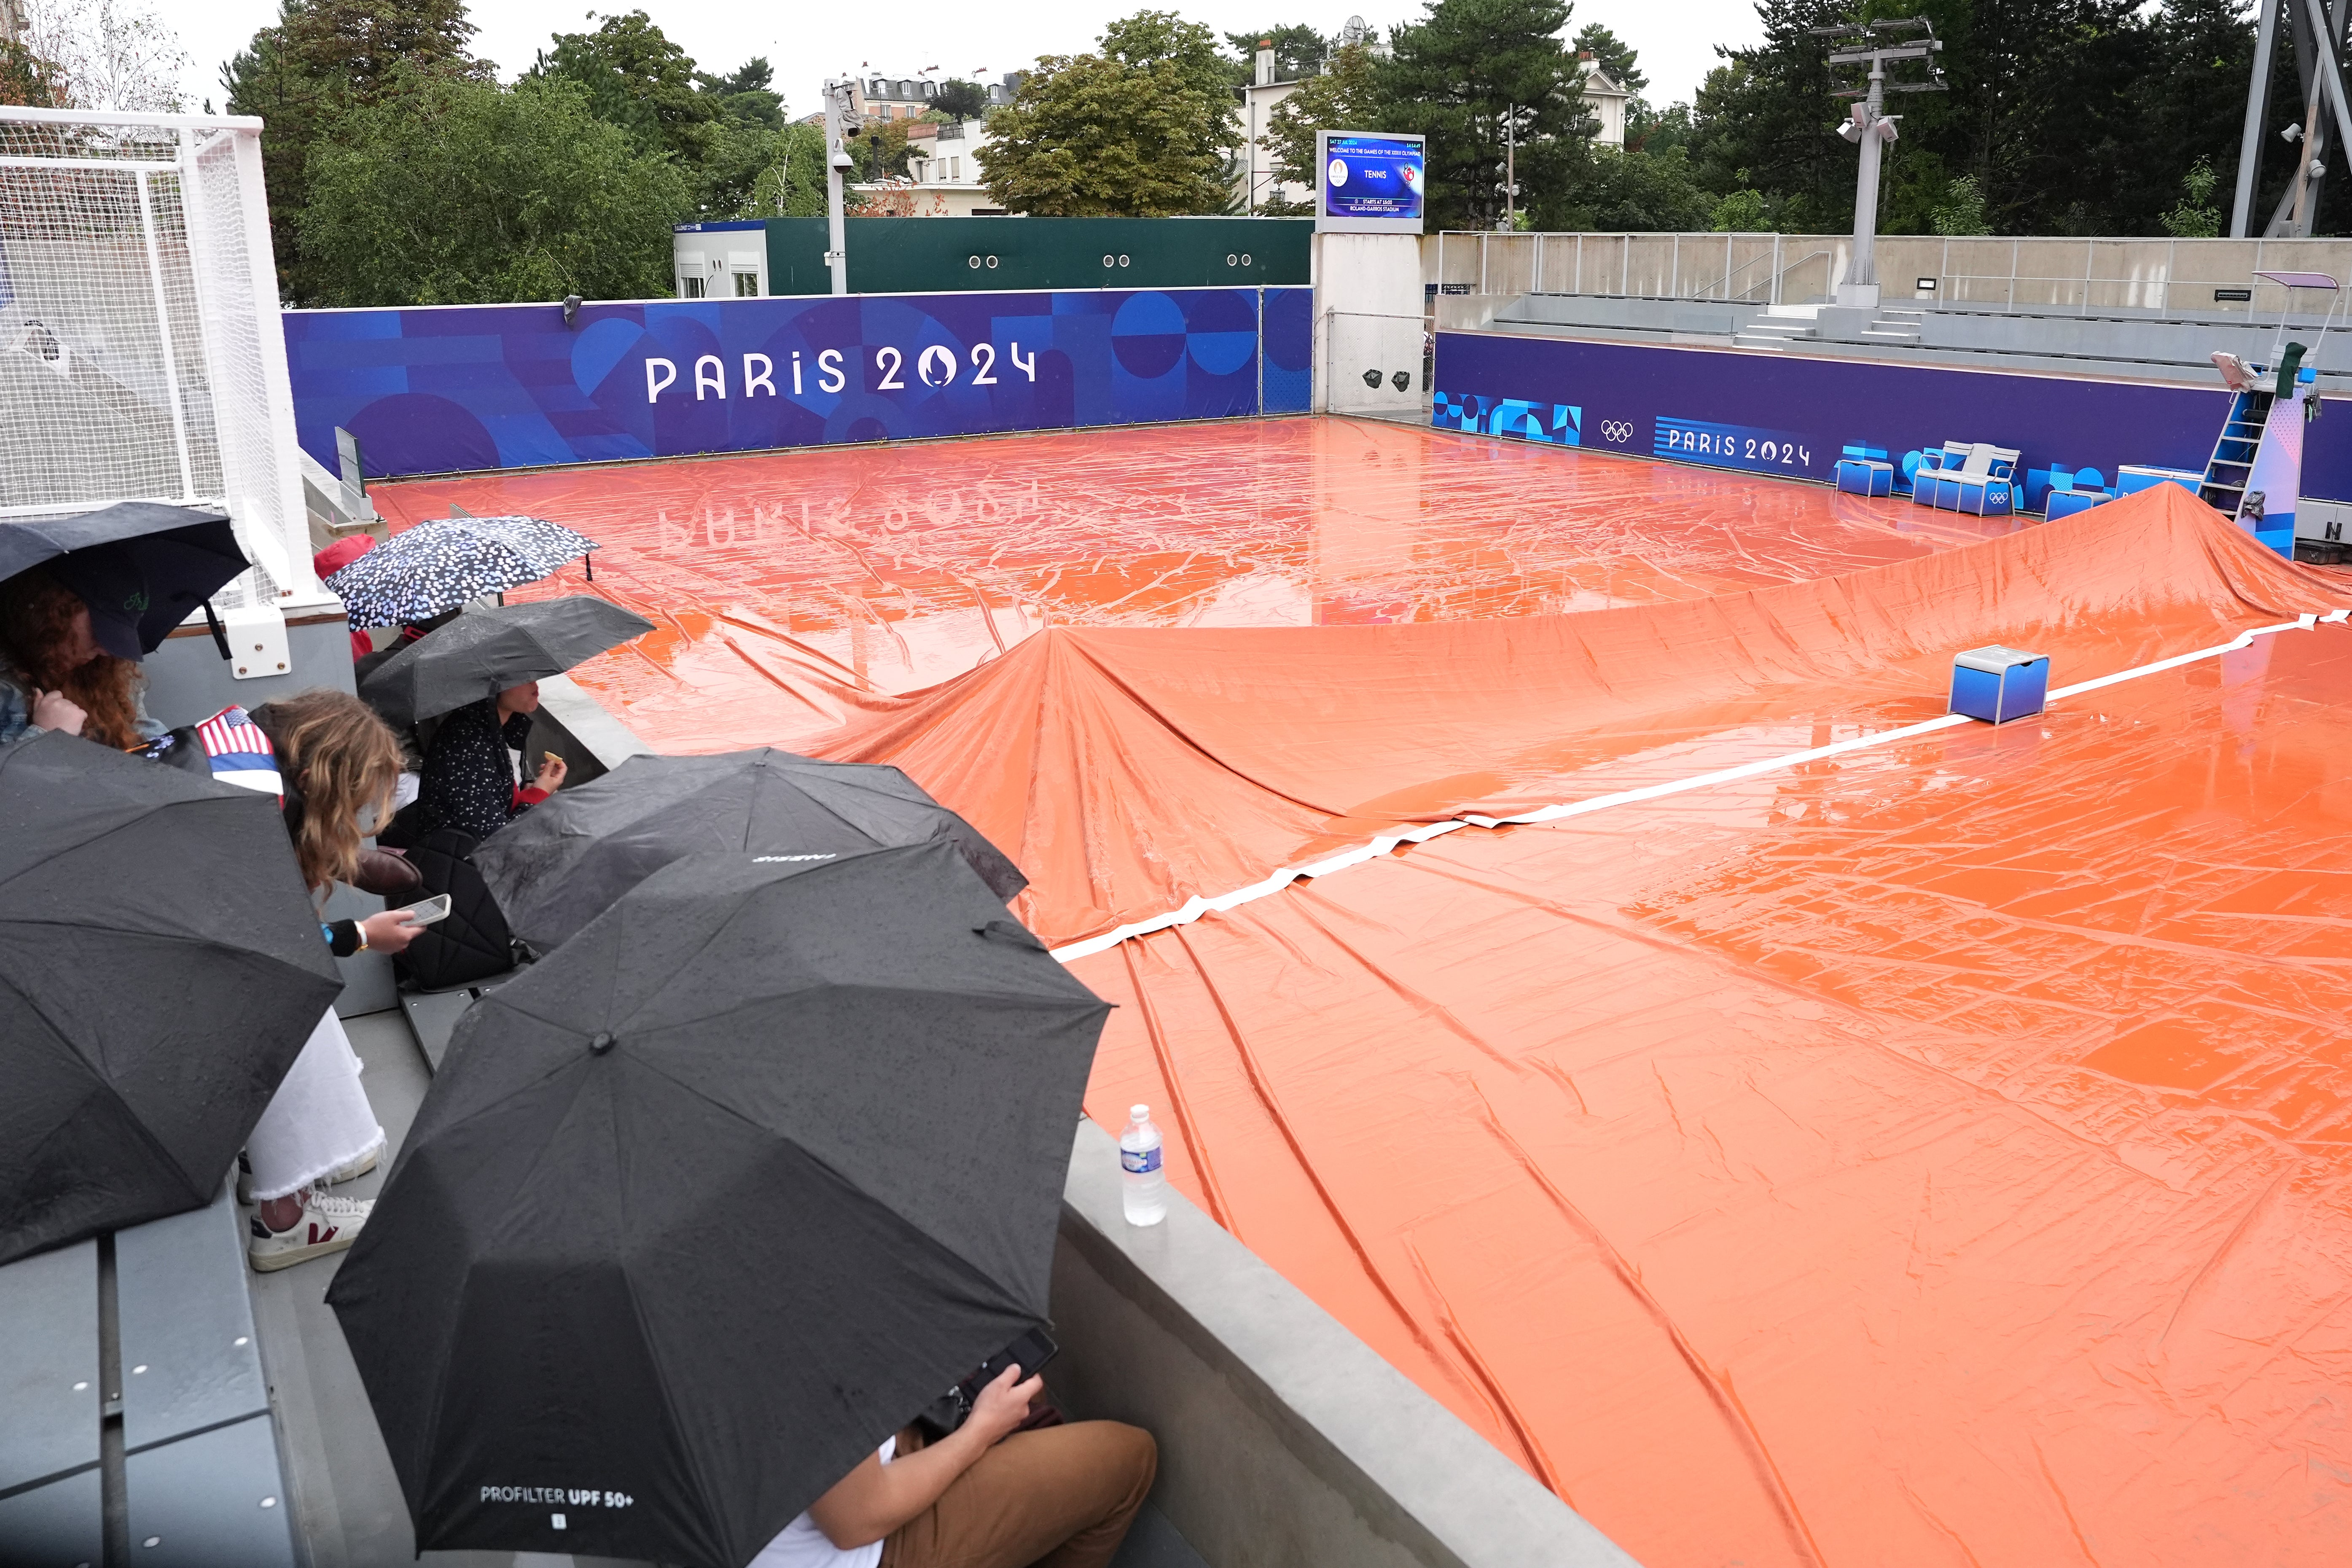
{"x": 1997, "y": 684}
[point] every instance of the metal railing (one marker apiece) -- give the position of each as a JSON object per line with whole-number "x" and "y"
{"x": 2076, "y": 275}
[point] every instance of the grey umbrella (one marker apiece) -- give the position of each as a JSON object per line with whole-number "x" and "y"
{"x": 160, "y": 969}
{"x": 557, "y": 868}
{"x": 702, "y": 1207}
{"x": 483, "y": 652}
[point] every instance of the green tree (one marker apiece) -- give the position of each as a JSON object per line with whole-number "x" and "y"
{"x": 960, "y": 99}
{"x": 1349, "y": 97}
{"x": 1462, "y": 72}
{"x": 1653, "y": 130}
{"x": 27, "y": 81}
{"x": 636, "y": 79}
{"x": 456, "y": 191}
{"x": 748, "y": 119}
{"x": 1298, "y": 52}
{"x": 1603, "y": 191}
{"x": 881, "y": 149}
{"x": 1962, "y": 210}
{"x": 2195, "y": 217}
{"x": 320, "y": 59}
{"x": 1140, "y": 130}
{"x": 792, "y": 181}
{"x": 1741, "y": 212}
{"x": 1615, "y": 56}
{"x": 1765, "y": 120}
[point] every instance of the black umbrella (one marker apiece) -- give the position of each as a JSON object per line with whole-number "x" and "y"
{"x": 160, "y": 969}
{"x": 483, "y": 652}
{"x": 179, "y": 557}
{"x": 703, "y": 1207}
{"x": 559, "y": 866}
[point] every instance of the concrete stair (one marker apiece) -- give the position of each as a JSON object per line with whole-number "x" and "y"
{"x": 1777, "y": 328}
{"x": 1895, "y": 325}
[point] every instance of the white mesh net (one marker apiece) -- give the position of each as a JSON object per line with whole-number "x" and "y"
{"x": 141, "y": 357}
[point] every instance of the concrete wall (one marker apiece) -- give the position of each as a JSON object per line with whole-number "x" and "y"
{"x": 1284, "y": 1442}
{"x": 1369, "y": 310}
{"x": 2169, "y": 276}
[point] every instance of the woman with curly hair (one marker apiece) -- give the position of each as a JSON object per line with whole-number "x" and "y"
{"x": 338, "y": 762}
{"x": 56, "y": 670}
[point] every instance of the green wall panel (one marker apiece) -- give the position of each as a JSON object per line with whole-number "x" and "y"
{"x": 938, "y": 254}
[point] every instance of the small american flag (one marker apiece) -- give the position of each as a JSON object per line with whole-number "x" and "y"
{"x": 239, "y": 751}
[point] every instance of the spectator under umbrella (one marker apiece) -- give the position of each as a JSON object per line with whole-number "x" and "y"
{"x": 482, "y": 671}
{"x": 711, "y": 1203}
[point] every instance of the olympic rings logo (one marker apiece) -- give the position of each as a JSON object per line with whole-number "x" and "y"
{"x": 1616, "y": 430}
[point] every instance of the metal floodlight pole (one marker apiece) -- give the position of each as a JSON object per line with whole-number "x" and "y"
{"x": 2258, "y": 100}
{"x": 1864, "y": 272}
{"x": 1870, "y": 127}
{"x": 841, "y": 105}
{"x": 1511, "y": 171}
{"x": 2330, "y": 77}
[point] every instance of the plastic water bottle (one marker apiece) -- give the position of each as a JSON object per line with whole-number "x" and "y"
{"x": 1143, "y": 1185}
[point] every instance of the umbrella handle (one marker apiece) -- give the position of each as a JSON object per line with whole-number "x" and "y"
{"x": 220, "y": 632}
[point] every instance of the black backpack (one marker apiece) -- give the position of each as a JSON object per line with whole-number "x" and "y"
{"x": 472, "y": 945}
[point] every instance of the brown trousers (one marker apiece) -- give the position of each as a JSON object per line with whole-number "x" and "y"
{"x": 1061, "y": 1497}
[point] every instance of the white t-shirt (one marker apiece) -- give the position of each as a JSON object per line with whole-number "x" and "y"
{"x": 803, "y": 1545}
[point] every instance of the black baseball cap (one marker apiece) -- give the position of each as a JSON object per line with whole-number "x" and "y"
{"x": 115, "y": 589}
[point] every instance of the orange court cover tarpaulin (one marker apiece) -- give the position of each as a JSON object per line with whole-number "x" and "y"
{"x": 1127, "y": 769}
{"x": 886, "y": 569}
{"x": 1931, "y": 1153}
{"x": 1932, "y": 1156}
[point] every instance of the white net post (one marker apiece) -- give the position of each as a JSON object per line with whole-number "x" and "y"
{"x": 142, "y": 356}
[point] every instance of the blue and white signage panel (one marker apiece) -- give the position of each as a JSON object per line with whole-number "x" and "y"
{"x": 1368, "y": 184}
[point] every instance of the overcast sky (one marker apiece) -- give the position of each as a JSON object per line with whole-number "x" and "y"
{"x": 808, "y": 42}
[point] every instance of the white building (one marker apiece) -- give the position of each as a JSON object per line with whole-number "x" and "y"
{"x": 1259, "y": 180}
{"x": 945, "y": 176}
{"x": 880, "y": 97}
{"x": 1260, "y": 183}
{"x": 1606, "y": 99}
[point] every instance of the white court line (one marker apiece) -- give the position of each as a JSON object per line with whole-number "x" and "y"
{"x": 1194, "y": 908}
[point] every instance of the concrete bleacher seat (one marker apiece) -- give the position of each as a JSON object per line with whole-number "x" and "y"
{"x": 201, "y": 1482}
{"x": 50, "y": 1505}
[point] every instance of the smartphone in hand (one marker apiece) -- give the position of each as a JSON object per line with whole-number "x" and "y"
{"x": 431, "y": 910}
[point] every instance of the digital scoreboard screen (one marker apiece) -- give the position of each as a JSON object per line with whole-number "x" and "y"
{"x": 1368, "y": 184}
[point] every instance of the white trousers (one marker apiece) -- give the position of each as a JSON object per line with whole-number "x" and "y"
{"x": 319, "y": 1121}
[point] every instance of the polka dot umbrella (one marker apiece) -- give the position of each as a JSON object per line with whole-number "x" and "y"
{"x": 443, "y": 563}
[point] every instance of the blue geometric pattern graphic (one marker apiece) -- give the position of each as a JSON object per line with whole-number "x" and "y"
{"x": 1560, "y": 424}
{"x": 503, "y": 386}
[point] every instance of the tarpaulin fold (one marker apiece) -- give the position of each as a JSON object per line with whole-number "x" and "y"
{"x": 1127, "y": 770}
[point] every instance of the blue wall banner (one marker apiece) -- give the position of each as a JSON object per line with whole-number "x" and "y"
{"x": 458, "y": 387}
{"x": 1791, "y": 416}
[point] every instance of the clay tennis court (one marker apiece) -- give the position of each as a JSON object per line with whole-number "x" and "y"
{"x": 1823, "y": 1133}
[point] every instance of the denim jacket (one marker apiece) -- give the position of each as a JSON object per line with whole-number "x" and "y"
{"x": 16, "y": 711}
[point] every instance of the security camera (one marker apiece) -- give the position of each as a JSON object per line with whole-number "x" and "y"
{"x": 842, "y": 159}
{"x": 570, "y": 308}
{"x": 2318, "y": 170}
{"x": 2292, "y": 133}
